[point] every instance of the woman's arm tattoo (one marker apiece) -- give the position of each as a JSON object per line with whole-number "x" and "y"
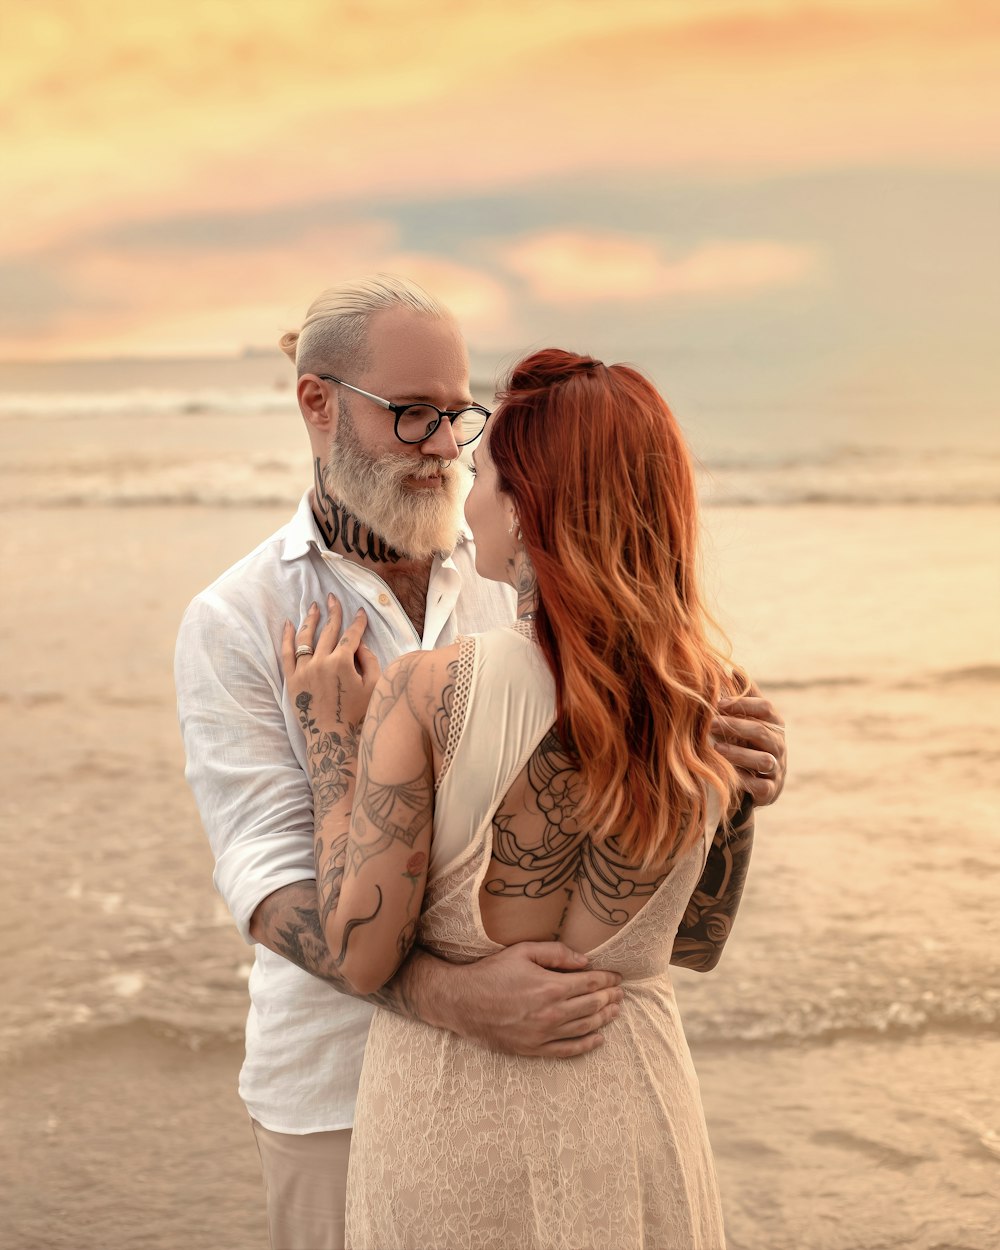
{"x": 288, "y": 922}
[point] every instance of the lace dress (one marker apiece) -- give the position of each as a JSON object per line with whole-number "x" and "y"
{"x": 457, "y": 1146}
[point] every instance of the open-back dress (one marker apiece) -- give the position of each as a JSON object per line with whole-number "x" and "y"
{"x": 456, "y": 1146}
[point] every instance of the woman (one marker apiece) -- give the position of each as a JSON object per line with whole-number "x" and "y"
{"x": 555, "y": 779}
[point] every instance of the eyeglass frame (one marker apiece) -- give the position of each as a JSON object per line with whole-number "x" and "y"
{"x": 398, "y": 410}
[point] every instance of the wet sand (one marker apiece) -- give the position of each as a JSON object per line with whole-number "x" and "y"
{"x": 134, "y": 1140}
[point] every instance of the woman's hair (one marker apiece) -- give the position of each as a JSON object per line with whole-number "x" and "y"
{"x": 334, "y": 334}
{"x": 604, "y": 491}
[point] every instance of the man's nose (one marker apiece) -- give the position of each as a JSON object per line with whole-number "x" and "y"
{"x": 442, "y": 442}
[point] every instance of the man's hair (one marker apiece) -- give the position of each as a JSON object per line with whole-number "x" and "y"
{"x": 603, "y": 487}
{"x": 334, "y": 335}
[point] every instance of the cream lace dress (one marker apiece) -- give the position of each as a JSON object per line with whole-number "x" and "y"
{"x": 456, "y": 1146}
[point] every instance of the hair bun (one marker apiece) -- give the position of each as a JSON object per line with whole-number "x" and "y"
{"x": 289, "y": 343}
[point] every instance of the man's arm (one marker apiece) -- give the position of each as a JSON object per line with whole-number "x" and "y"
{"x": 751, "y": 734}
{"x": 709, "y": 918}
{"x": 535, "y": 999}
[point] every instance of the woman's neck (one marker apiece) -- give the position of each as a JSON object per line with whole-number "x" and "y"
{"x": 526, "y": 584}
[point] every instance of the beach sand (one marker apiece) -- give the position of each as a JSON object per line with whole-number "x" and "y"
{"x": 132, "y": 1140}
{"x": 846, "y": 1045}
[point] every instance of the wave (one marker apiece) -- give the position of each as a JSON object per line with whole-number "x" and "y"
{"x": 953, "y": 1011}
{"x": 814, "y": 683}
{"x": 735, "y": 474}
{"x": 270, "y": 483}
{"x": 138, "y": 403}
{"x": 806, "y": 1024}
{"x": 850, "y": 480}
{"x": 978, "y": 673}
{"x": 812, "y": 1003}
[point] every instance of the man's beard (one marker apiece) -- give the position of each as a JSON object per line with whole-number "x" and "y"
{"x": 415, "y": 522}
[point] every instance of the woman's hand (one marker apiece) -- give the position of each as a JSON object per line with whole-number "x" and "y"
{"x": 330, "y": 678}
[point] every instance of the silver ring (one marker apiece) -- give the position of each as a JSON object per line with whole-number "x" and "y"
{"x": 303, "y": 649}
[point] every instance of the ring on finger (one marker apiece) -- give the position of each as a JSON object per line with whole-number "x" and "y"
{"x": 303, "y": 649}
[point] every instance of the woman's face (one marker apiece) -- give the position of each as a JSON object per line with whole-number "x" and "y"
{"x": 490, "y": 515}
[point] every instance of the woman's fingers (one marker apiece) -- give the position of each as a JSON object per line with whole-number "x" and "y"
{"x": 329, "y": 643}
{"x": 292, "y": 639}
{"x": 305, "y": 635}
{"x": 288, "y": 650}
{"x": 330, "y": 633}
{"x": 351, "y": 639}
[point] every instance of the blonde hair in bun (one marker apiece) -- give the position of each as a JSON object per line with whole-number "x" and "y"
{"x": 289, "y": 344}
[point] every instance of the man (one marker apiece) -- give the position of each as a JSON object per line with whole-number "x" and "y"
{"x": 382, "y": 376}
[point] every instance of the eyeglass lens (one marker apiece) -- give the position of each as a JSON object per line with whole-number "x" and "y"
{"x": 417, "y": 422}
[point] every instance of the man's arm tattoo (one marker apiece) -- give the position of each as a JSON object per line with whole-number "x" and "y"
{"x": 709, "y": 918}
{"x": 330, "y": 879}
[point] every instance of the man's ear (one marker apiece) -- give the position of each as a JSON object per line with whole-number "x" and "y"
{"x": 316, "y": 404}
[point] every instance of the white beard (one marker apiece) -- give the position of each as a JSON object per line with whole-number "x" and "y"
{"x": 416, "y": 523}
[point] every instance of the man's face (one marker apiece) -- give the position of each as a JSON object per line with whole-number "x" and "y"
{"x": 407, "y": 493}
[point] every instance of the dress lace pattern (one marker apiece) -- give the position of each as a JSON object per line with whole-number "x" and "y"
{"x": 456, "y": 1146}
{"x": 459, "y": 703}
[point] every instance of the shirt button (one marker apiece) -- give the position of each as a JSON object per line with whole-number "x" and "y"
{"x": 384, "y": 599}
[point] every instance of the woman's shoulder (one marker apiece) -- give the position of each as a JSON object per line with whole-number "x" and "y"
{"x": 426, "y": 675}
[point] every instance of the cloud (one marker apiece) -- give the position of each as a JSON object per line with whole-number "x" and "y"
{"x": 141, "y": 295}
{"x": 565, "y": 267}
{"x": 480, "y": 301}
{"x": 136, "y": 297}
{"x": 119, "y": 110}
{"x": 191, "y": 130}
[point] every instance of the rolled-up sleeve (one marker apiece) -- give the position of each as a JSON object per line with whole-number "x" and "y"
{"x": 253, "y": 796}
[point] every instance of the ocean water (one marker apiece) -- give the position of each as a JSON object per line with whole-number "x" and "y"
{"x": 859, "y": 583}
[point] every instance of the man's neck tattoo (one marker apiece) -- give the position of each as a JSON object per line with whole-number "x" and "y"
{"x": 337, "y": 524}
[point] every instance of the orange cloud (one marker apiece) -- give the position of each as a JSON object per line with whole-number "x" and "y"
{"x": 567, "y": 267}
{"x": 119, "y": 111}
{"x": 118, "y": 114}
{"x": 167, "y": 300}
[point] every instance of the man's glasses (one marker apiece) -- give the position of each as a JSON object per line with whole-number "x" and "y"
{"x": 416, "y": 422}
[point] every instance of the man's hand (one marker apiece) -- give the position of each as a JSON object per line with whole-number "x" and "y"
{"x": 535, "y": 998}
{"x": 751, "y": 735}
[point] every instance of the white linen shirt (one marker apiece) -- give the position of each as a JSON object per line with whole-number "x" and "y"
{"x": 246, "y": 765}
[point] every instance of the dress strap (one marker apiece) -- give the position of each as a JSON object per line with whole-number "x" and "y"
{"x": 508, "y": 704}
{"x": 459, "y": 703}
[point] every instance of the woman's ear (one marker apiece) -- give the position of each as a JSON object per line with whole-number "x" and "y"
{"x": 513, "y": 525}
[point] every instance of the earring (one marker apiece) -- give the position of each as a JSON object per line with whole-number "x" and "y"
{"x": 514, "y": 525}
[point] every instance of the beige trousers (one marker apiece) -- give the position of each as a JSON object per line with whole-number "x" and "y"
{"x": 305, "y": 1187}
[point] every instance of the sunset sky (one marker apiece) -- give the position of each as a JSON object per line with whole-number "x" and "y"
{"x": 792, "y": 186}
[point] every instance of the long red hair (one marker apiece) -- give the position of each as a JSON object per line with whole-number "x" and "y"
{"x": 604, "y": 490}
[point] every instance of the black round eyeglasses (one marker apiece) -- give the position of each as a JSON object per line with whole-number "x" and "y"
{"x": 417, "y": 422}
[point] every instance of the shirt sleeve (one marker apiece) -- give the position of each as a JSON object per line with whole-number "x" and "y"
{"x": 252, "y": 793}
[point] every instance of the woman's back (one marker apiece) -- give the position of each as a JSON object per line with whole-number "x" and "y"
{"x": 608, "y": 1149}
{"x": 507, "y": 794}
